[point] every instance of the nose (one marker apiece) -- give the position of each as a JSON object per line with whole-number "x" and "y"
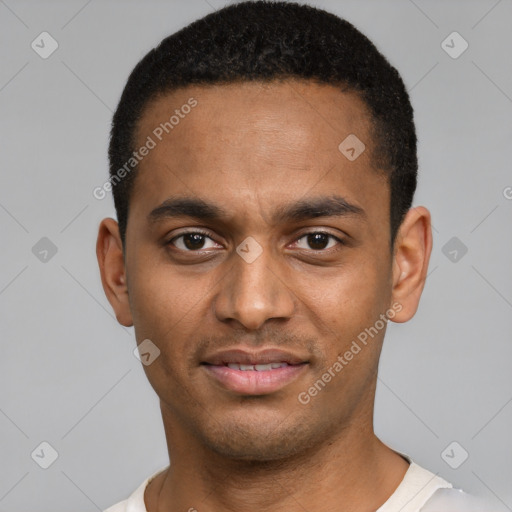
{"x": 254, "y": 291}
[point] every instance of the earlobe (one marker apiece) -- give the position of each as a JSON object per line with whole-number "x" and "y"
{"x": 410, "y": 261}
{"x": 109, "y": 251}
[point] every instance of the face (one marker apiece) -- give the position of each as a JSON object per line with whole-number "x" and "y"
{"x": 257, "y": 254}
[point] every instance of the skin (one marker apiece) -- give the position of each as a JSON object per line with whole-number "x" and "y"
{"x": 250, "y": 148}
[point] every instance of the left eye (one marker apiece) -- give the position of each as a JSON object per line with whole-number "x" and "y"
{"x": 319, "y": 240}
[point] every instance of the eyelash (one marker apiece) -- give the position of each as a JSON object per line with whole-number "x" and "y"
{"x": 206, "y": 234}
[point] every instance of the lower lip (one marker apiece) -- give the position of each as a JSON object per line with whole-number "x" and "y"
{"x": 253, "y": 382}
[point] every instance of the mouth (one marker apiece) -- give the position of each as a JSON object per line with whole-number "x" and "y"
{"x": 254, "y": 373}
{"x": 256, "y": 367}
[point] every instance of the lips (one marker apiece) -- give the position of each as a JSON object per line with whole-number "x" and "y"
{"x": 248, "y": 372}
{"x": 247, "y": 357}
{"x": 256, "y": 367}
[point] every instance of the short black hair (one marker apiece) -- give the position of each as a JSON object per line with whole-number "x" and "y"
{"x": 273, "y": 40}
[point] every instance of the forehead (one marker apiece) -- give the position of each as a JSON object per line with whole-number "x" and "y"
{"x": 270, "y": 141}
{"x": 300, "y": 110}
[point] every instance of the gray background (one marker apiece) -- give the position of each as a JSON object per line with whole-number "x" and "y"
{"x": 68, "y": 375}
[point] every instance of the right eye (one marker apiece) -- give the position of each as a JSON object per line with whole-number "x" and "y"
{"x": 191, "y": 241}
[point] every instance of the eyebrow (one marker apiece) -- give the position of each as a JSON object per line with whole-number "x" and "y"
{"x": 304, "y": 209}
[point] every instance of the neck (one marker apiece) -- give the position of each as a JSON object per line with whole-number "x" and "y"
{"x": 352, "y": 471}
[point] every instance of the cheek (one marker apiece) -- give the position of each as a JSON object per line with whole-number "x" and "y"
{"x": 165, "y": 312}
{"x": 346, "y": 301}
{"x": 162, "y": 310}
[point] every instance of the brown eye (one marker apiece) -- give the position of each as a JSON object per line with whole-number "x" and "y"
{"x": 319, "y": 241}
{"x": 191, "y": 241}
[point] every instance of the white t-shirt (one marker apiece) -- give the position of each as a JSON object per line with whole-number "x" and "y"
{"x": 414, "y": 491}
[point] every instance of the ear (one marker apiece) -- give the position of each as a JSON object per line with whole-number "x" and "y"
{"x": 109, "y": 251}
{"x": 412, "y": 250}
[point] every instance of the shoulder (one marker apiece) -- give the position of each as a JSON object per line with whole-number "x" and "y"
{"x": 416, "y": 488}
{"x": 118, "y": 507}
{"x": 135, "y": 502}
{"x": 455, "y": 500}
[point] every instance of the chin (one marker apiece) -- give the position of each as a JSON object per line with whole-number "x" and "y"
{"x": 260, "y": 442}
{"x": 253, "y": 452}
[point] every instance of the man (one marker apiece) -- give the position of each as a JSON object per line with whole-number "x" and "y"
{"x": 263, "y": 165}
